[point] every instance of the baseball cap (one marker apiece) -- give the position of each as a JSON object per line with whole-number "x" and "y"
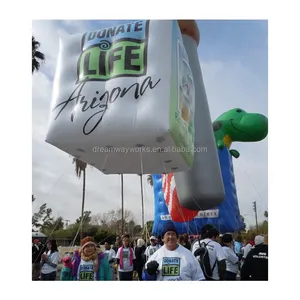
{"x": 259, "y": 239}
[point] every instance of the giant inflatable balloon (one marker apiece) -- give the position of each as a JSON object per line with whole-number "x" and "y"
{"x": 232, "y": 126}
{"x": 225, "y": 217}
{"x": 177, "y": 212}
{"x": 202, "y": 186}
{"x": 235, "y": 125}
{"x": 124, "y": 99}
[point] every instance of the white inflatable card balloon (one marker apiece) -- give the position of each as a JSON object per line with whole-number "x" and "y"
{"x": 124, "y": 99}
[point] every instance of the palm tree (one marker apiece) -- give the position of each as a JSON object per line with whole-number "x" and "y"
{"x": 150, "y": 180}
{"x": 36, "y": 55}
{"x": 80, "y": 168}
{"x": 142, "y": 197}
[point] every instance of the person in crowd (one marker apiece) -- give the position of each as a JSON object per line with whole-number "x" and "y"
{"x": 89, "y": 263}
{"x": 238, "y": 247}
{"x": 125, "y": 259}
{"x": 49, "y": 262}
{"x": 66, "y": 271}
{"x": 191, "y": 240}
{"x": 152, "y": 248}
{"x": 186, "y": 242}
{"x": 180, "y": 240}
{"x": 118, "y": 244}
{"x": 172, "y": 262}
{"x": 160, "y": 242}
{"x": 255, "y": 266}
{"x": 140, "y": 257}
{"x": 217, "y": 258}
{"x": 37, "y": 251}
{"x": 247, "y": 247}
{"x": 132, "y": 244}
{"x": 111, "y": 256}
{"x": 219, "y": 239}
{"x": 232, "y": 260}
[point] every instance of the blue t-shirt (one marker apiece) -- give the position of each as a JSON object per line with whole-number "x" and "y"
{"x": 86, "y": 271}
{"x": 237, "y": 247}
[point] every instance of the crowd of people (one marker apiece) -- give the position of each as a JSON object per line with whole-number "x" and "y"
{"x": 210, "y": 256}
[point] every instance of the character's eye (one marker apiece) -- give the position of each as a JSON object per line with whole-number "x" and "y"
{"x": 238, "y": 110}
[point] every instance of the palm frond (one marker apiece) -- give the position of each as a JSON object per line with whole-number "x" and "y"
{"x": 39, "y": 55}
{"x": 36, "y": 55}
{"x": 80, "y": 166}
{"x": 35, "y": 65}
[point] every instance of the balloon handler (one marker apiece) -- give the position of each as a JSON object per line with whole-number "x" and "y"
{"x": 172, "y": 262}
{"x": 89, "y": 263}
{"x": 66, "y": 273}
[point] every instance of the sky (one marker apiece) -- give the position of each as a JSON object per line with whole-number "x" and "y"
{"x": 234, "y": 61}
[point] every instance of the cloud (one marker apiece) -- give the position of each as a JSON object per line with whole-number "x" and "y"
{"x": 229, "y": 83}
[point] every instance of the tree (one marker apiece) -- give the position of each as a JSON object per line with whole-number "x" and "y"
{"x": 92, "y": 231}
{"x": 266, "y": 214}
{"x": 59, "y": 223}
{"x": 51, "y": 225}
{"x": 133, "y": 229}
{"x": 262, "y": 228}
{"x": 112, "y": 221}
{"x": 80, "y": 168}
{"x": 36, "y": 55}
{"x": 43, "y": 217}
{"x": 243, "y": 220}
{"x": 103, "y": 236}
{"x": 100, "y": 220}
{"x": 150, "y": 180}
{"x": 86, "y": 218}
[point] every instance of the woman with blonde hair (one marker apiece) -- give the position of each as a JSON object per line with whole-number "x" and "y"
{"x": 140, "y": 257}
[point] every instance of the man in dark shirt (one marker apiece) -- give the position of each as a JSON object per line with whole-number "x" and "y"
{"x": 186, "y": 242}
{"x": 255, "y": 266}
{"x": 37, "y": 251}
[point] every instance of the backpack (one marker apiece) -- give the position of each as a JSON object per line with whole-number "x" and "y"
{"x": 204, "y": 260}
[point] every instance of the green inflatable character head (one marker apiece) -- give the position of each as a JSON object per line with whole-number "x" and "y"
{"x": 236, "y": 125}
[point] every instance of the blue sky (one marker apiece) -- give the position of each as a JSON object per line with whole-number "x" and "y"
{"x": 244, "y": 40}
{"x": 234, "y": 61}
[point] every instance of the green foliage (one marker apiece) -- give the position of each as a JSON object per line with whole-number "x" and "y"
{"x": 252, "y": 232}
{"x": 52, "y": 225}
{"x": 92, "y": 230}
{"x": 86, "y": 218}
{"x": 103, "y": 236}
{"x": 42, "y": 219}
{"x": 243, "y": 220}
{"x": 262, "y": 228}
{"x": 103, "y": 227}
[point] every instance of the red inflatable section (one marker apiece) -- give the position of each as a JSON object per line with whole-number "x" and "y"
{"x": 177, "y": 212}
